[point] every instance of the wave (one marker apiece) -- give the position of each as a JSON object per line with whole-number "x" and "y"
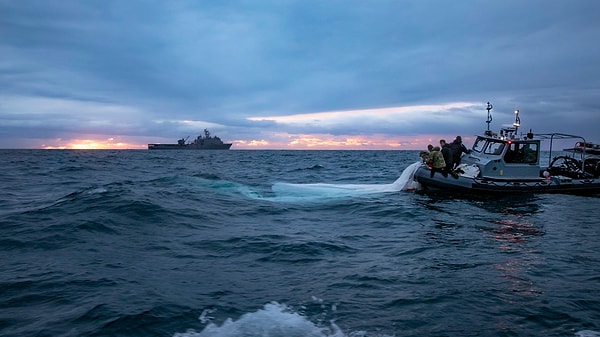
{"x": 311, "y": 168}
{"x": 276, "y": 319}
{"x": 273, "y": 320}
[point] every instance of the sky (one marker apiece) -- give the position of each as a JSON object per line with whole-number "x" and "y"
{"x": 285, "y": 74}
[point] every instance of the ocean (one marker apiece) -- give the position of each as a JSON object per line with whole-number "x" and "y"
{"x": 283, "y": 243}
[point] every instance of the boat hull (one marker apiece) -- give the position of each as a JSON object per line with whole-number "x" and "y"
{"x": 465, "y": 184}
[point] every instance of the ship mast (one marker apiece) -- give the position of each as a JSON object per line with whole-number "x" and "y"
{"x": 517, "y": 122}
{"x": 489, "y": 119}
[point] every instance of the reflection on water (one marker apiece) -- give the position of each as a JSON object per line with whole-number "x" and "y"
{"x": 513, "y": 204}
{"x": 520, "y": 286}
{"x": 508, "y": 232}
{"x": 518, "y": 254}
{"x": 528, "y": 204}
{"x": 511, "y": 231}
{"x": 515, "y": 234}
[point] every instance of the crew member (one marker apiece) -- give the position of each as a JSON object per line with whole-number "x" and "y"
{"x": 458, "y": 149}
{"x": 437, "y": 162}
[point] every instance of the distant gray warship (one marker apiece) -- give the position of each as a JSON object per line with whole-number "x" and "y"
{"x": 207, "y": 142}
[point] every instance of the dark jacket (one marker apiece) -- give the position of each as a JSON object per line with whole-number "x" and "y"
{"x": 457, "y": 149}
{"x": 447, "y": 153}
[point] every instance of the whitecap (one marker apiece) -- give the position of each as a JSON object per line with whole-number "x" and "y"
{"x": 273, "y": 320}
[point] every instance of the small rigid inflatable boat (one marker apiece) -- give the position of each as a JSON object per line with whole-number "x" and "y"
{"x": 510, "y": 164}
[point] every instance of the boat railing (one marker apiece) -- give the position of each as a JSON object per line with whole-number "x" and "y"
{"x": 560, "y": 136}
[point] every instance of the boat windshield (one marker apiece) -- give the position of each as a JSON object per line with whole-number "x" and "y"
{"x": 494, "y": 147}
{"x": 479, "y": 144}
{"x": 488, "y": 146}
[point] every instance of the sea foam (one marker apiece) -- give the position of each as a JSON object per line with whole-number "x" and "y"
{"x": 273, "y": 320}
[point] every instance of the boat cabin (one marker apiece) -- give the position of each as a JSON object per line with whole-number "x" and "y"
{"x": 501, "y": 158}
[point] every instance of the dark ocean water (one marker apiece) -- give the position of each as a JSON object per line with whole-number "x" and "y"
{"x": 282, "y": 243}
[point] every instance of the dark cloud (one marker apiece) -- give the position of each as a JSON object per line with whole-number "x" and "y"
{"x": 140, "y": 68}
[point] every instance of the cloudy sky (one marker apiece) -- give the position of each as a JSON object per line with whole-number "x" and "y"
{"x": 285, "y": 74}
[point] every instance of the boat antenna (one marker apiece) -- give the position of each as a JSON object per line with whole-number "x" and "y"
{"x": 517, "y": 122}
{"x": 489, "y": 118}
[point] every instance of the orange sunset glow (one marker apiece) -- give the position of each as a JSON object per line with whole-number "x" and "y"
{"x": 91, "y": 144}
{"x": 330, "y": 142}
{"x": 283, "y": 142}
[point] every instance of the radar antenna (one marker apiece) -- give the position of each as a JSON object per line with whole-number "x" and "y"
{"x": 489, "y": 118}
